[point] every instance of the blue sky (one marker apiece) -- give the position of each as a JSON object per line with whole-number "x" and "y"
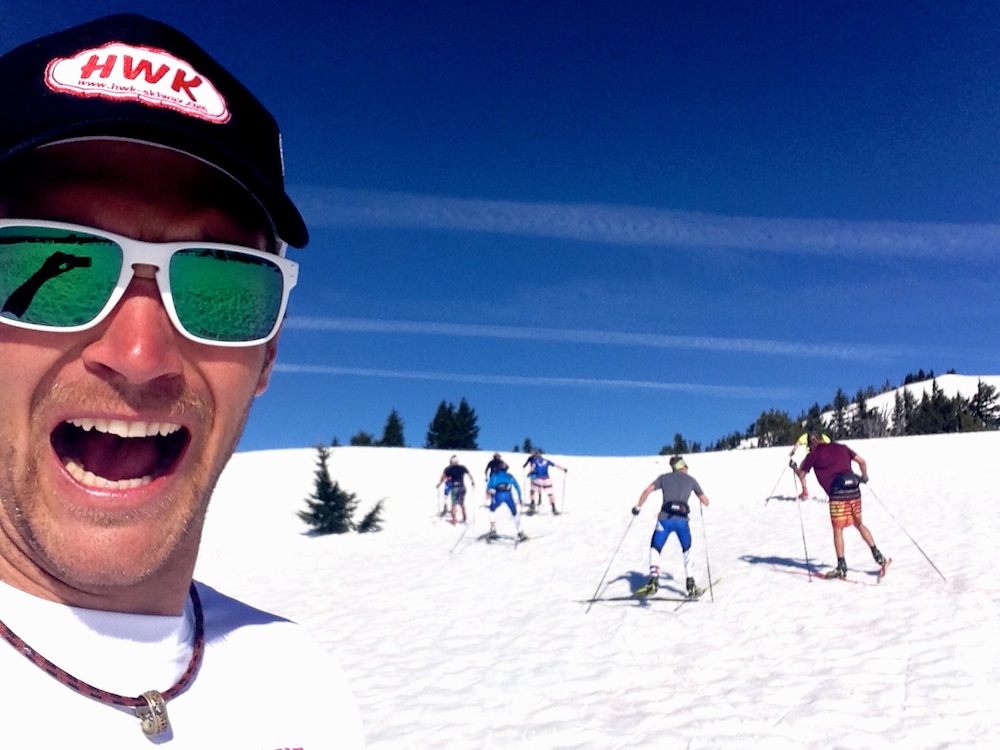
{"x": 604, "y": 223}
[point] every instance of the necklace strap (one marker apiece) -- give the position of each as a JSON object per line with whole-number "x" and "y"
{"x": 151, "y": 703}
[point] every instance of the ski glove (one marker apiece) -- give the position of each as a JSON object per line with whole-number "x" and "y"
{"x": 635, "y": 510}
{"x": 864, "y": 479}
{"x": 792, "y": 465}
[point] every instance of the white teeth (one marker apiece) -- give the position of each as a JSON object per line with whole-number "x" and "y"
{"x": 120, "y": 428}
{"x": 92, "y": 480}
{"x": 124, "y": 429}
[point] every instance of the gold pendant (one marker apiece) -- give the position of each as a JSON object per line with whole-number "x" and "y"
{"x": 153, "y": 716}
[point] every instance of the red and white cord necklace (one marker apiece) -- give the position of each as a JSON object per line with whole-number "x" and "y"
{"x": 151, "y": 706}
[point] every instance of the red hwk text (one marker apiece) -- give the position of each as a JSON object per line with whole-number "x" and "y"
{"x": 131, "y": 69}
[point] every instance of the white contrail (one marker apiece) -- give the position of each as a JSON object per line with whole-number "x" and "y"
{"x": 719, "y": 391}
{"x": 635, "y": 225}
{"x": 604, "y": 338}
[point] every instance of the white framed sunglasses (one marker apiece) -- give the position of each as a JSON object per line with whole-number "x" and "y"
{"x": 66, "y": 277}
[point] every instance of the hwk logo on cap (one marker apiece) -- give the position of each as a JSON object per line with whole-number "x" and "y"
{"x": 147, "y": 75}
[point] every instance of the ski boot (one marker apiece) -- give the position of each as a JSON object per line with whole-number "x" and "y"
{"x": 521, "y": 536}
{"x": 651, "y": 587}
{"x": 882, "y": 561}
{"x": 693, "y": 591}
{"x": 555, "y": 510}
{"x": 838, "y": 572}
{"x": 492, "y": 535}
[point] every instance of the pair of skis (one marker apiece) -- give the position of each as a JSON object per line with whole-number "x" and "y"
{"x": 660, "y": 596}
{"x": 879, "y": 574}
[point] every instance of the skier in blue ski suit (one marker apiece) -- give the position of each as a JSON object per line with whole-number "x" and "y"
{"x": 500, "y": 488}
{"x": 672, "y": 519}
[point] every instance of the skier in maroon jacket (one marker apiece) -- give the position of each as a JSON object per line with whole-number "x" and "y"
{"x": 832, "y": 463}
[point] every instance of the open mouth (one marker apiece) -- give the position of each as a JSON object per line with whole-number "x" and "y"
{"x": 115, "y": 454}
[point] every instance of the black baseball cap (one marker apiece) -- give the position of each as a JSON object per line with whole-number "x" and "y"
{"x": 126, "y": 76}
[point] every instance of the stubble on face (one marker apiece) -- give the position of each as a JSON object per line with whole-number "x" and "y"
{"x": 90, "y": 550}
{"x": 77, "y": 552}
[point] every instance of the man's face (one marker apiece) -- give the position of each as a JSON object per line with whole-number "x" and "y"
{"x": 112, "y": 439}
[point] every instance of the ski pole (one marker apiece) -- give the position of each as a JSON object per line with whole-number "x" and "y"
{"x": 708, "y": 565}
{"x": 613, "y": 556}
{"x": 563, "y": 503}
{"x": 802, "y": 525}
{"x": 928, "y": 559}
{"x": 775, "y": 488}
{"x": 460, "y": 538}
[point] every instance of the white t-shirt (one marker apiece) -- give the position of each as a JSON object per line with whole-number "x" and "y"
{"x": 264, "y": 683}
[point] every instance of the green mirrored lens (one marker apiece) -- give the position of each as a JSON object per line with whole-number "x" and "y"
{"x": 55, "y": 277}
{"x": 224, "y": 295}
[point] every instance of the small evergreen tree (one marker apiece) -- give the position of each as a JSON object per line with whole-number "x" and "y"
{"x": 373, "y": 519}
{"x": 363, "y": 438}
{"x": 984, "y": 406}
{"x": 775, "y": 427}
{"x": 813, "y": 421}
{"x": 936, "y": 413}
{"x": 392, "y": 433}
{"x": 840, "y": 404}
{"x": 900, "y": 416}
{"x": 529, "y": 447}
{"x": 329, "y": 508}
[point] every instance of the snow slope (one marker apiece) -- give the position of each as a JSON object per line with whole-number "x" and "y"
{"x": 453, "y": 643}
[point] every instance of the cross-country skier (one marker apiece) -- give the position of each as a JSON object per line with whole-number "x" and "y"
{"x": 541, "y": 481}
{"x": 832, "y": 463}
{"x": 803, "y": 441}
{"x": 500, "y": 488}
{"x": 677, "y": 487}
{"x": 496, "y": 463}
{"x": 454, "y": 474}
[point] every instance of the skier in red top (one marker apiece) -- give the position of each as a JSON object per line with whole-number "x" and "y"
{"x": 832, "y": 463}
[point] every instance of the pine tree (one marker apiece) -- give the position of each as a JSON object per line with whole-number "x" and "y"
{"x": 440, "y": 433}
{"x": 329, "y": 507}
{"x": 813, "y": 421}
{"x": 529, "y": 447}
{"x": 466, "y": 428}
{"x": 363, "y": 438}
{"x": 775, "y": 427}
{"x": 392, "y": 433}
{"x": 984, "y": 406}
{"x": 840, "y": 404}
{"x": 900, "y": 416}
{"x": 453, "y": 429}
{"x": 372, "y": 520}
{"x": 936, "y": 413}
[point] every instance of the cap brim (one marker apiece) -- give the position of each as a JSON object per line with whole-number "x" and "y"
{"x": 285, "y": 217}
